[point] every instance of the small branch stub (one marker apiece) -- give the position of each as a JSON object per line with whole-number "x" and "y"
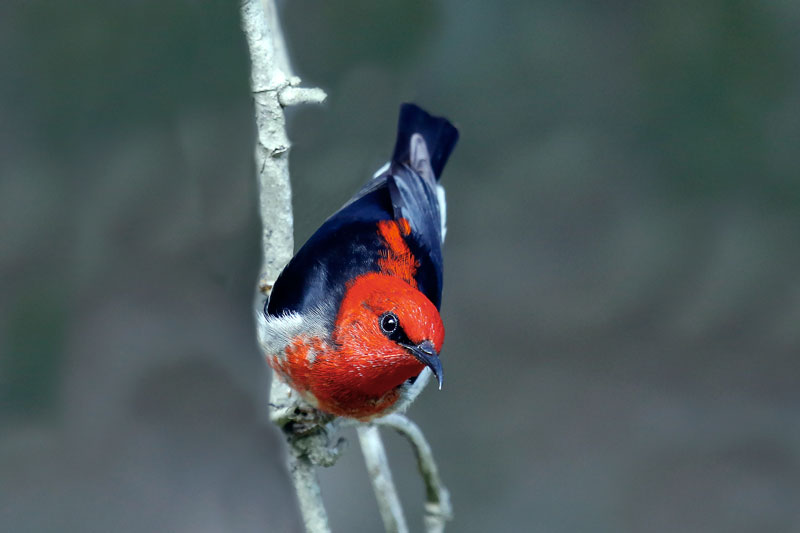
{"x": 292, "y": 95}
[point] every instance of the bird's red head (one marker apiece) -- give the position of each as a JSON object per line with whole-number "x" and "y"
{"x": 386, "y": 332}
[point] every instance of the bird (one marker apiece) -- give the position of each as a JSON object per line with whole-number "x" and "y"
{"x": 353, "y": 322}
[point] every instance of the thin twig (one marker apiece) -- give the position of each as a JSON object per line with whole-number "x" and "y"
{"x": 308, "y": 493}
{"x": 381, "y": 476}
{"x": 437, "y": 506}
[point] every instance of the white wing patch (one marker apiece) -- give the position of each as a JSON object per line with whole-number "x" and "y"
{"x": 275, "y": 333}
{"x": 381, "y": 170}
{"x": 442, "y": 208}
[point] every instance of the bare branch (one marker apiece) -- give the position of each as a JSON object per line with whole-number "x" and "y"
{"x": 274, "y": 87}
{"x": 437, "y": 506}
{"x": 381, "y": 477}
{"x": 270, "y": 79}
{"x": 308, "y": 493}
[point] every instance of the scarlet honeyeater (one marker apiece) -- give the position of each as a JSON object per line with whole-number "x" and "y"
{"x": 353, "y": 320}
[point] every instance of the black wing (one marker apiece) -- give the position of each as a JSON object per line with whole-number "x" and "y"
{"x": 348, "y": 245}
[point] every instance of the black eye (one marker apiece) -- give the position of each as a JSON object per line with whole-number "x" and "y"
{"x": 389, "y": 323}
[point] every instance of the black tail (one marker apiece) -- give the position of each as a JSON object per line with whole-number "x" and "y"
{"x": 440, "y": 136}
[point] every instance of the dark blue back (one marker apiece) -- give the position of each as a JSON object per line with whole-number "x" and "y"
{"x": 348, "y": 243}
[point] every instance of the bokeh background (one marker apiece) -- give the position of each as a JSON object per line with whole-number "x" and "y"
{"x": 622, "y": 293}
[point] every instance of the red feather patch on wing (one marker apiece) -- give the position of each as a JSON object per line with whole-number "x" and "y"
{"x": 397, "y": 259}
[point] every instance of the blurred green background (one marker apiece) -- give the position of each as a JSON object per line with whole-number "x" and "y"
{"x": 622, "y": 286}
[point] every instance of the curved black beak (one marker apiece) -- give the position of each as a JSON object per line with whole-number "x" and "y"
{"x": 426, "y": 354}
